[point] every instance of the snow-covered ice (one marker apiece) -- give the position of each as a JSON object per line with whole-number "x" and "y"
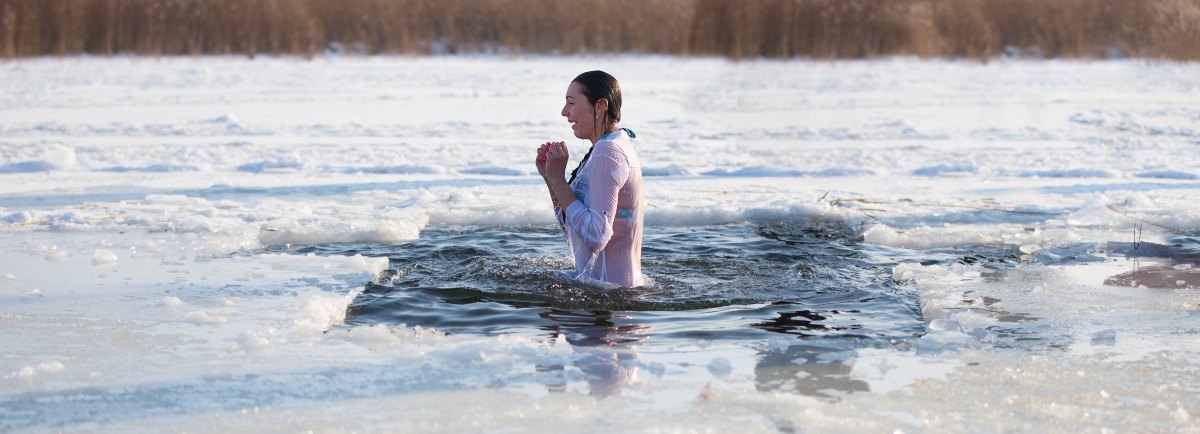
{"x": 139, "y": 197}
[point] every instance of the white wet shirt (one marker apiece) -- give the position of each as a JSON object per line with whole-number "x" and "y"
{"x": 604, "y": 225}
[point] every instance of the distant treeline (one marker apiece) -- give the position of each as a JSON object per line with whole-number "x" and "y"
{"x": 983, "y": 29}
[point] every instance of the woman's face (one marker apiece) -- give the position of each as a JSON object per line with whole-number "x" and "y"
{"x": 579, "y": 112}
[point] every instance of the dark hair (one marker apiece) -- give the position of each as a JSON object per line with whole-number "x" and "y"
{"x": 597, "y": 85}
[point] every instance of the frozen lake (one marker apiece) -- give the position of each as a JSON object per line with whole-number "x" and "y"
{"x": 363, "y": 244}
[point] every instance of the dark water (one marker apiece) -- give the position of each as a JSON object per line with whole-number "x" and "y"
{"x": 732, "y": 282}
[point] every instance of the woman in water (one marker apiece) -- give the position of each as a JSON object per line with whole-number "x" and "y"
{"x": 600, "y": 207}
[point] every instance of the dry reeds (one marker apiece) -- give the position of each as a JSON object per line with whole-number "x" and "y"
{"x": 983, "y": 29}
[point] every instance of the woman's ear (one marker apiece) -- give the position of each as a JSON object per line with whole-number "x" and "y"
{"x": 601, "y": 107}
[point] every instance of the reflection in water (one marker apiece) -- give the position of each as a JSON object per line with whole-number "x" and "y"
{"x": 804, "y": 323}
{"x": 1170, "y": 266}
{"x": 808, "y": 369}
{"x": 606, "y": 350}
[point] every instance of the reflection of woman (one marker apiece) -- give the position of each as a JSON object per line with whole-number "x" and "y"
{"x": 602, "y": 217}
{"x": 605, "y": 350}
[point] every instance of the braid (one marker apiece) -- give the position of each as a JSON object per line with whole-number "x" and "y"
{"x": 581, "y": 163}
{"x": 563, "y": 211}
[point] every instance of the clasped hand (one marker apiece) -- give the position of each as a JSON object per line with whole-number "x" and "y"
{"x": 552, "y": 160}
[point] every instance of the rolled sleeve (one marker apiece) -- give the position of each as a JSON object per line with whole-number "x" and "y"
{"x": 593, "y": 227}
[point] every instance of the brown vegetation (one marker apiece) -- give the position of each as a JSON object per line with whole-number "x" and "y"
{"x": 981, "y": 29}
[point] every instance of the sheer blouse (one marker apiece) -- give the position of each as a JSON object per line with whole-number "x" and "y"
{"x": 603, "y": 226}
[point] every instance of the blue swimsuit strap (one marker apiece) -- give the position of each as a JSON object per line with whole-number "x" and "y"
{"x": 627, "y": 131}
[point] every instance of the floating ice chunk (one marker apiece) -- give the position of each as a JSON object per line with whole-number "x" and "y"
{"x": 1030, "y": 249}
{"x": 940, "y": 340}
{"x": 320, "y": 313}
{"x": 103, "y": 256}
{"x": 251, "y": 341}
{"x": 904, "y": 273}
{"x": 202, "y": 317}
{"x": 56, "y": 255}
{"x": 1105, "y": 337}
{"x": 170, "y": 301}
{"x": 50, "y": 251}
{"x": 9, "y": 277}
{"x": 974, "y": 321}
{"x": 945, "y": 325}
{"x": 36, "y": 292}
{"x": 720, "y": 367}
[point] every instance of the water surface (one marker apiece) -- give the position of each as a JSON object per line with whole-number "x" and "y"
{"x": 728, "y": 283}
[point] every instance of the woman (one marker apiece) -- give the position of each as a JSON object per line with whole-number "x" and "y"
{"x": 602, "y": 216}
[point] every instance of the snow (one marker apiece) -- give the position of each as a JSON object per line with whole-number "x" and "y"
{"x": 137, "y": 195}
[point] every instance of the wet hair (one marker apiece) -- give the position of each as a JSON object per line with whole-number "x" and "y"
{"x": 597, "y": 85}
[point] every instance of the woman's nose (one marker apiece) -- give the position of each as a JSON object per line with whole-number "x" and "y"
{"x": 564, "y": 111}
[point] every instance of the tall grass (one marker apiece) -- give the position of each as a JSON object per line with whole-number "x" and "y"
{"x": 983, "y": 29}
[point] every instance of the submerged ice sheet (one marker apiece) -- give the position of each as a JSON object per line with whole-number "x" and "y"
{"x": 1020, "y": 235}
